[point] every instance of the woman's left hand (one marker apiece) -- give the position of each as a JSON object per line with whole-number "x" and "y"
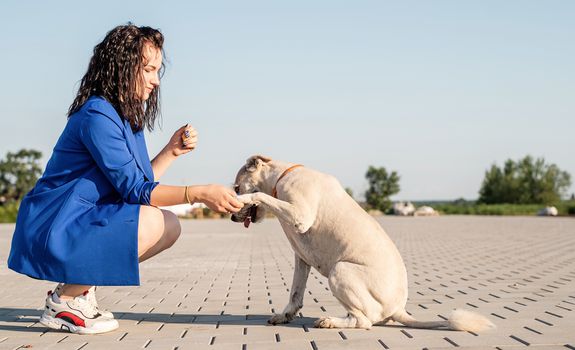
{"x": 183, "y": 141}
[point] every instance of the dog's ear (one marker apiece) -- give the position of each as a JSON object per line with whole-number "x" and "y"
{"x": 255, "y": 162}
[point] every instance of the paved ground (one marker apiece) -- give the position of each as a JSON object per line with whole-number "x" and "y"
{"x": 218, "y": 285}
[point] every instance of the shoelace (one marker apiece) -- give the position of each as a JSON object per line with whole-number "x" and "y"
{"x": 84, "y": 306}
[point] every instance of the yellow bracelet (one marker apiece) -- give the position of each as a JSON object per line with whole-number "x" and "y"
{"x": 187, "y": 197}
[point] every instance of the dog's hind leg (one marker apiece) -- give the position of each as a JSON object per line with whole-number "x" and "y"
{"x": 300, "y": 276}
{"x": 348, "y": 286}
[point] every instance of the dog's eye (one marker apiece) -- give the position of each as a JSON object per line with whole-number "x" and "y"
{"x": 237, "y": 189}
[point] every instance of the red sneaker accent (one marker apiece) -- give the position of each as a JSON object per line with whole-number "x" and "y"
{"x": 70, "y": 317}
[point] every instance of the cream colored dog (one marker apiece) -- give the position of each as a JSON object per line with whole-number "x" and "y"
{"x": 329, "y": 231}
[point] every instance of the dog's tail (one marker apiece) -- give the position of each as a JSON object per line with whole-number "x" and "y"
{"x": 459, "y": 320}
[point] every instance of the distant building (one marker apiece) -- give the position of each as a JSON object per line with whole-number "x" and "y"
{"x": 425, "y": 211}
{"x": 548, "y": 211}
{"x": 403, "y": 208}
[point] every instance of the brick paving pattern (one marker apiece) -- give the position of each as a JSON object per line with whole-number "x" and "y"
{"x": 216, "y": 288}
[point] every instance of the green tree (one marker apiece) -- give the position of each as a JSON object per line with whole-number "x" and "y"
{"x": 18, "y": 173}
{"x": 381, "y": 186}
{"x": 349, "y": 191}
{"x": 527, "y": 181}
{"x": 500, "y": 185}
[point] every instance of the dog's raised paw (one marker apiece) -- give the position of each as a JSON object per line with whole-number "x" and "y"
{"x": 324, "y": 322}
{"x": 247, "y": 198}
{"x": 279, "y": 319}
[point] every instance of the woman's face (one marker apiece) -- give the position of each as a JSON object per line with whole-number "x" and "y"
{"x": 150, "y": 73}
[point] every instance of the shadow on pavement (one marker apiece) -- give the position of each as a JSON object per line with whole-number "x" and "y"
{"x": 207, "y": 319}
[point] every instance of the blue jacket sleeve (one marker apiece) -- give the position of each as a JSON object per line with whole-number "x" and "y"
{"x": 106, "y": 142}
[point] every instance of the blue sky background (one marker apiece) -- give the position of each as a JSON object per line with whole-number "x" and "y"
{"x": 436, "y": 90}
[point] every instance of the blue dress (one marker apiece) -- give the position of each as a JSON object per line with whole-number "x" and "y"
{"x": 79, "y": 224}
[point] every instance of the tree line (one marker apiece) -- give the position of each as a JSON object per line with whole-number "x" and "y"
{"x": 19, "y": 171}
{"x": 525, "y": 181}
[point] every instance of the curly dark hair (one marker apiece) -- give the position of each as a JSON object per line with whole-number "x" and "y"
{"x": 115, "y": 70}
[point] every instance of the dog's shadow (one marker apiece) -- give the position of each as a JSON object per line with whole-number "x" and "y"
{"x": 27, "y": 320}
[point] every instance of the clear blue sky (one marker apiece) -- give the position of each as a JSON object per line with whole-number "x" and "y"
{"x": 436, "y": 90}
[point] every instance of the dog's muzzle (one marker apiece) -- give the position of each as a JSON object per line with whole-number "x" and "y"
{"x": 247, "y": 215}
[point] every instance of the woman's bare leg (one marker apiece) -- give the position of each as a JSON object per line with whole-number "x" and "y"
{"x": 157, "y": 230}
{"x": 70, "y": 291}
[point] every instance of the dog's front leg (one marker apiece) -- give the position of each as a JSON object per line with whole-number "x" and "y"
{"x": 300, "y": 215}
{"x": 297, "y": 291}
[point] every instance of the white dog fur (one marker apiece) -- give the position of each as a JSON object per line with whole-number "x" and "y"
{"x": 330, "y": 232}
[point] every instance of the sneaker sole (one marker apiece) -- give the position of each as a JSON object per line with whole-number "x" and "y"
{"x": 60, "y": 324}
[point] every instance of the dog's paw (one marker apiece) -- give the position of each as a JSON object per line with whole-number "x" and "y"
{"x": 324, "y": 322}
{"x": 247, "y": 198}
{"x": 250, "y": 198}
{"x": 280, "y": 319}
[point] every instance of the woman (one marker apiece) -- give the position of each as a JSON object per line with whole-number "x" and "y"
{"x": 93, "y": 216}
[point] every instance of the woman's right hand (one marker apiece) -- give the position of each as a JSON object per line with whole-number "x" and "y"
{"x": 220, "y": 199}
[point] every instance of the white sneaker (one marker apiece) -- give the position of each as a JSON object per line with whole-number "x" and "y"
{"x": 77, "y": 315}
{"x": 91, "y": 296}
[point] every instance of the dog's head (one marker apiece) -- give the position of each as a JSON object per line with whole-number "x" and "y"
{"x": 250, "y": 179}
